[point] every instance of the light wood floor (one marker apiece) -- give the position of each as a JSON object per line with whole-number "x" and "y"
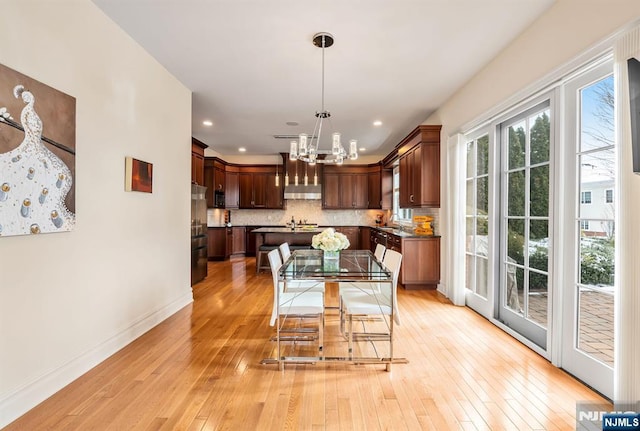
{"x": 200, "y": 370}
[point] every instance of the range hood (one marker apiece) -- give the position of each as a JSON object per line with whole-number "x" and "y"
{"x": 303, "y": 192}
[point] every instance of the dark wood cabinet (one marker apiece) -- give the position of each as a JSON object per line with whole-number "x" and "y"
{"x": 345, "y": 187}
{"x": 232, "y": 189}
{"x": 331, "y": 191}
{"x": 419, "y": 163}
{"x": 365, "y": 238}
{"x": 197, "y": 161}
{"x": 217, "y": 243}
{"x": 236, "y": 242}
{"x": 353, "y": 235}
{"x": 420, "y": 267}
{"x": 258, "y": 188}
{"x": 380, "y": 187}
{"x": 420, "y": 263}
{"x": 214, "y": 180}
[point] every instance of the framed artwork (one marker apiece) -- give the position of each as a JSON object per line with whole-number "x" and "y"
{"x": 37, "y": 156}
{"x": 138, "y": 175}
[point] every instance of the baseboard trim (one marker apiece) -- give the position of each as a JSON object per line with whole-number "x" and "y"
{"x": 33, "y": 393}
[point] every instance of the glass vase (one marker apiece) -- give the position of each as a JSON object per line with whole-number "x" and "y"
{"x": 331, "y": 260}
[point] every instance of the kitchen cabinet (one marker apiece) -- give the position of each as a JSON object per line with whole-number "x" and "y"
{"x": 236, "y": 241}
{"x": 214, "y": 180}
{"x": 419, "y": 165}
{"x": 253, "y": 188}
{"x": 217, "y": 243}
{"x": 420, "y": 268}
{"x": 420, "y": 263}
{"x": 197, "y": 161}
{"x": 365, "y": 238}
{"x": 345, "y": 187}
{"x": 353, "y": 235}
{"x": 232, "y": 189}
{"x": 377, "y": 237}
{"x": 258, "y": 188}
{"x": 380, "y": 187}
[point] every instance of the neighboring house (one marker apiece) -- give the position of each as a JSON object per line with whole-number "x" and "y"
{"x": 597, "y": 208}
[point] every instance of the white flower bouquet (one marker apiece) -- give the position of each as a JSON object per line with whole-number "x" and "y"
{"x": 330, "y": 240}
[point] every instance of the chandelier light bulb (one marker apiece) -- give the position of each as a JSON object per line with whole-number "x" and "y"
{"x": 293, "y": 151}
{"x": 335, "y": 147}
{"x": 302, "y": 148}
{"x": 353, "y": 149}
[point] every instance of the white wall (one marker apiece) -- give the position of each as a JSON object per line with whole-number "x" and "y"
{"x": 69, "y": 300}
{"x": 568, "y": 30}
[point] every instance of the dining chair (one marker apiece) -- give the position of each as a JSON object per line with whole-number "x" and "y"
{"x": 379, "y": 252}
{"x": 297, "y": 285}
{"x": 300, "y": 304}
{"x": 285, "y": 251}
{"x": 376, "y": 302}
{"x": 345, "y": 287}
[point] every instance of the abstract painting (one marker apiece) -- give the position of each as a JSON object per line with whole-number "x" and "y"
{"x": 138, "y": 175}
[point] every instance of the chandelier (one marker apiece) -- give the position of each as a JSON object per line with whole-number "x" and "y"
{"x": 307, "y": 147}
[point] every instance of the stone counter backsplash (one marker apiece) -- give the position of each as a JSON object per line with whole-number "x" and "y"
{"x": 312, "y": 212}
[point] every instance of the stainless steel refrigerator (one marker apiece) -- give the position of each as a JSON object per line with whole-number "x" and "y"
{"x": 198, "y": 233}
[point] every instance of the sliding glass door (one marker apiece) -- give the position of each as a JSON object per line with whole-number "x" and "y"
{"x": 525, "y": 244}
{"x": 589, "y": 295}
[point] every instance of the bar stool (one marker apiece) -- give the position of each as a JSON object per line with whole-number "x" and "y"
{"x": 263, "y": 251}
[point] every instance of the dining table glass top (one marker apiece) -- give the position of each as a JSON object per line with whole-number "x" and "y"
{"x": 350, "y": 265}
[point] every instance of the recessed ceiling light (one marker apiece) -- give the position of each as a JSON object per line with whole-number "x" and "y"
{"x": 207, "y": 123}
{"x": 363, "y": 149}
{"x": 377, "y": 123}
{"x": 242, "y": 149}
{"x": 292, "y": 123}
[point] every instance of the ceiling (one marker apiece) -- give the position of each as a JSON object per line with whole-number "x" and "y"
{"x": 252, "y": 67}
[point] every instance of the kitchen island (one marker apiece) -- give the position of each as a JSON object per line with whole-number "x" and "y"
{"x": 278, "y": 235}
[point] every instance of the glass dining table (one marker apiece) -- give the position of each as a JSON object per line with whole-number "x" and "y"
{"x": 355, "y": 269}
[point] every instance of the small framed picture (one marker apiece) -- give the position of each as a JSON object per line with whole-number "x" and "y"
{"x": 138, "y": 175}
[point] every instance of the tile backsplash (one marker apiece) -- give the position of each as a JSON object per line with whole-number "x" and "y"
{"x": 310, "y": 211}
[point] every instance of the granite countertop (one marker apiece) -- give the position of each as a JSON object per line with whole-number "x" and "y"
{"x": 288, "y": 230}
{"x": 401, "y": 233}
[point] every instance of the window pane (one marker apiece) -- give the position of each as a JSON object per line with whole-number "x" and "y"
{"x": 470, "y": 204}
{"x": 482, "y": 269}
{"x": 515, "y": 241}
{"x": 482, "y": 226}
{"x": 596, "y": 115}
{"x": 596, "y": 260}
{"x": 537, "y": 305}
{"x": 595, "y": 323}
{"x": 470, "y": 235}
{"x": 539, "y": 244}
{"x": 469, "y": 270}
{"x": 539, "y": 191}
{"x": 514, "y": 298}
{"x": 470, "y": 160}
{"x": 517, "y": 143}
{"x": 483, "y": 155}
{"x": 597, "y": 174}
{"x": 482, "y": 201}
{"x": 540, "y": 138}
{"x": 515, "y": 196}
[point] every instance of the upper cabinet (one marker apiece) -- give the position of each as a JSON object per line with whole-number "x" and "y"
{"x": 258, "y": 188}
{"x": 197, "y": 161}
{"x": 345, "y": 187}
{"x": 380, "y": 187}
{"x": 214, "y": 180}
{"x": 419, "y": 155}
{"x": 232, "y": 188}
